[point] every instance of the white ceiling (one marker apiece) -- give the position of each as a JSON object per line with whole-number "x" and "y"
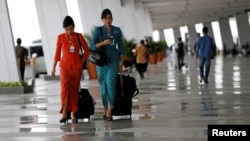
{"x": 172, "y": 13}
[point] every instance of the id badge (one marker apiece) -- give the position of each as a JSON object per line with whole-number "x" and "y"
{"x": 72, "y": 49}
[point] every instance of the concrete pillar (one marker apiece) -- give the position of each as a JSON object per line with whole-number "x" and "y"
{"x": 161, "y": 34}
{"x": 210, "y": 29}
{"x": 226, "y": 34}
{"x": 141, "y": 18}
{"x": 148, "y": 22}
{"x": 9, "y": 70}
{"x": 50, "y": 14}
{"x": 129, "y": 19}
{"x": 193, "y": 36}
{"x": 177, "y": 33}
{"x": 243, "y": 28}
{"x": 90, "y": 12}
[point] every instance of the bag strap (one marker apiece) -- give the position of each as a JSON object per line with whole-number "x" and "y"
{"x": 80, "y": 43}
{"x": 121, "y": 84}
{"x": 101, "y": 39}
{"x": 100, "y": 28}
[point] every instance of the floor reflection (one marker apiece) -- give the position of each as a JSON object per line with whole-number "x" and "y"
{"x": 35, "y": 100}
{"x": 35, "y": 107}
{"x": 207, "y": 104}
{"x": 74, "y": 132}
{"x": 34, "y": 130}
{"x": 182, "y": 81}
{"x": 37, "y": 119}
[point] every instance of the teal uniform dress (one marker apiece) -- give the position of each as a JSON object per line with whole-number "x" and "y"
{"x": 107, "y": 74}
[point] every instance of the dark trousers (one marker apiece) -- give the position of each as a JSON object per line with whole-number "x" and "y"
{"x": 141, "y": 68}
{"x": 22, "y": 69}
{"x": 180, "y": 60}
{"x": 204, "y": 62}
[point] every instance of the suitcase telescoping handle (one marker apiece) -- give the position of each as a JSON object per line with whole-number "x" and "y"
{"x": 121, "y": 84}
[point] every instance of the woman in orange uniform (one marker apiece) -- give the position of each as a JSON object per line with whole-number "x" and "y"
{"x": 67, "y": 52}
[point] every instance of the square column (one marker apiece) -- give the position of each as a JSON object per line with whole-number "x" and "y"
{"x": 161, "y": 35}
{"x": 144, "y": 23}
{"x": 177, "y": 33}
{"x": 129, "y": 19}
{"x": 193, "y": 36}
{"x": 148, "y": 22}
{"x": 50, "y": 14}
{"x": 9, "y": 70}
{"x": 90, "y": 12}
{"x": 243, "y": 28}
{"x": 226, "y": 34}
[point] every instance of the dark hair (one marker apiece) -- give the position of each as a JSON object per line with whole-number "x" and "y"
{"x": 142, "y": 42}
{"x": 106, "y": 12}
{"x": 68, "y": 21}
{"x": 205, "y": 29}
{"x": 179, "y": 39}
{"x": 18, "y": 41}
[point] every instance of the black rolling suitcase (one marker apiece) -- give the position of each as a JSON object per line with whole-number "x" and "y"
{"x": 86, "y": 106}
{"x": 126, "y": 89}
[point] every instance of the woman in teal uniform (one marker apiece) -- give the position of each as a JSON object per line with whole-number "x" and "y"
{"x": 108, "y": 38}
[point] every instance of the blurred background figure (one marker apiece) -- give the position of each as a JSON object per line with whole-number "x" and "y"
{"x": 21, "y": 53}
{"x": 180, "y": 50}
{"x": 141, "y": 54}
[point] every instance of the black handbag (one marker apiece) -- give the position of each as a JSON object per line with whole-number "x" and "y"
{"x": 98, "y": 56}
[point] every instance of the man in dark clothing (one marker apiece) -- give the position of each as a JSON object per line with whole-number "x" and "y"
{"x": 21, "y": 54}
{"x": 180, "y": 53}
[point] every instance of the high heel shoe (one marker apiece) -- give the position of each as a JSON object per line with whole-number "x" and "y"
{"x": 64, "y": 120}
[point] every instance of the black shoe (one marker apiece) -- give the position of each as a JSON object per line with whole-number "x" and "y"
{"x": 206, "y": 82}
{"x": 64, "y": 120}
{"x": 201, "y": 82}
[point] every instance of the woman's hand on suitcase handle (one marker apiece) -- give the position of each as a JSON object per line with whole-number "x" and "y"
{"x": 121, "y": 67}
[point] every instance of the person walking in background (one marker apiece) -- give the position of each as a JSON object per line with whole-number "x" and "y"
{"x": 148, "y": 45}
{"x": 108, "y": 38}
{"x": 141, "y": 54}
{"x": 180, "y": 50}
{"x": 22, "y": 54}
{"x": 71, "y": 63}
{"x": 206, "y": 51}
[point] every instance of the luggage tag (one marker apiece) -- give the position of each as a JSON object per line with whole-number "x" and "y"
{"x": 72, "y": 49}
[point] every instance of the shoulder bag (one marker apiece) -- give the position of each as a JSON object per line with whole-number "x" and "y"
{"x": 98, "y": 56}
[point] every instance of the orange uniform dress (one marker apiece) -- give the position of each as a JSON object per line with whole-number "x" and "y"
{"x": 70, "y": 68}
